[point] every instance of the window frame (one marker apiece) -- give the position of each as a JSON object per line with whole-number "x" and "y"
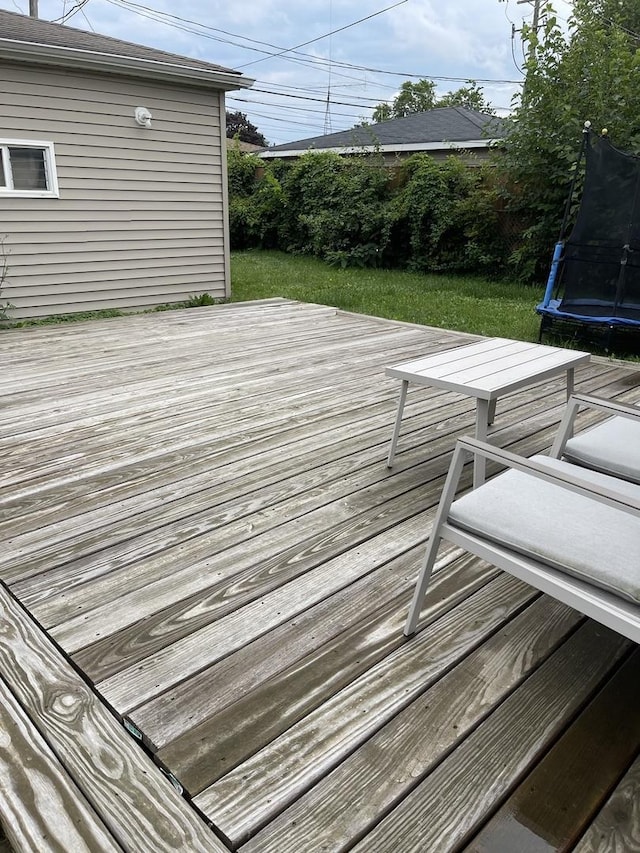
{"x": 51, "y": 174}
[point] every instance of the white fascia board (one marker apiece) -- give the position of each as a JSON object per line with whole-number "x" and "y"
{"x": 43, "y": 54}
{"x": 384, "y": 149}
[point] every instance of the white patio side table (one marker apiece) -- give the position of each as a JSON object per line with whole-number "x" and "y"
{"x": 485, "y": 371}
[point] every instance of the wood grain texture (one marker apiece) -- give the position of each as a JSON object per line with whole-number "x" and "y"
{"x": 616, "y": 829}
{"x": 196, "y": 504}
{"x": 278, "y": 774}
{"x": 255, "y": 613}
{"x": 496, "y": 756}
{"x": 160, "y": 518}
{"x": 182, "y": 708}
{"x": 552, "y": 805}
{"x": 207, "y": 751}
{"x": 348, "y": 802}
{"x": 323, "y": 531}
{"x": 139, "y": 807}
{"x": 40, "y": 805}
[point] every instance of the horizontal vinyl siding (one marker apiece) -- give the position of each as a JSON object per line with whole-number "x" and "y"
{"x": 123, "y": 300}
{"x": 110, "y": 236}
{"x": 82, "y": 274}
{"x": 140, "y": 216}
{"x": 124, "y": 279}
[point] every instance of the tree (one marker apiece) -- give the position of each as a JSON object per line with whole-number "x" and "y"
{"x": 412, "y": 98}
{"x": 470, "y": 96}
{"x": 590, "y": 73}
{"x": 238, "y": 125}
{"x": 625, "y": 16}
{"x": 421, "y": 96}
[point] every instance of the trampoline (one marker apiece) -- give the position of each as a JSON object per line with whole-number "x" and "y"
{"x": 594, "y": 283}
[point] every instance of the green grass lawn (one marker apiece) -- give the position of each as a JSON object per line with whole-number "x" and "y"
{"x": 465, "y": 304}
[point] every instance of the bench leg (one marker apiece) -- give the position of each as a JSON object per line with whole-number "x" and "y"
{"x": 446, "y": 499}
{"x": 396, "y": 428}
{"x": 421, "y": 586}
{"x": 483, "y": 408}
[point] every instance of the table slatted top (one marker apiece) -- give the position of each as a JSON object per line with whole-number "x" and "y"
{"x": 489, "y": 368}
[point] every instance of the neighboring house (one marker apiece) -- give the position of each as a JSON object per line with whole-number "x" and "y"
{"x": 112, "y": 171}
{"x": 245, "y": 147}
{"x": 439, "y": 132}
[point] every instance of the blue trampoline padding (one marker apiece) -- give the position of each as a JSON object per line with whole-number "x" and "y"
{"x": 552, "y": 310}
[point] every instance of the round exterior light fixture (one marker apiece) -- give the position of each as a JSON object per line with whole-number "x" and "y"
{"x": 143, "y": 116}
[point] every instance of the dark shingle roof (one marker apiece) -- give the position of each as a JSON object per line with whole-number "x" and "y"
{"x": 446, "y": 124}
{"x": 20, "y": 28}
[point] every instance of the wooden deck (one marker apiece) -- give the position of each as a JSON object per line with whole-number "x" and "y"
{"x": 195, "y": 507}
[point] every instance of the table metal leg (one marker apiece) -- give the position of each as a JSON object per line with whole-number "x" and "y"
{"x": 482, "y": 428}
{"x": 492, "y": 411}
{"x": 570, "y": 375}
{"x": 396, "y": 428}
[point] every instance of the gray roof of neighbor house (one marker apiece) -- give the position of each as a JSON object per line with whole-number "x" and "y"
{"x": 432, "y": 130}
{"x": 26, "y": 39}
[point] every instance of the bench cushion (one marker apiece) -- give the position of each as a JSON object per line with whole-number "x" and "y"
{"x": 570, "y": 532}
{"x": 612, "y": 446}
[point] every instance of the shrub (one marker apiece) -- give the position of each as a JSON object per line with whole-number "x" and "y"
{"x": 353, "y": 211}
{"x": 335, "y": 208}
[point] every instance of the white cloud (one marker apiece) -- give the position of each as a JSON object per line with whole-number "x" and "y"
{"x": 468, "y": 39}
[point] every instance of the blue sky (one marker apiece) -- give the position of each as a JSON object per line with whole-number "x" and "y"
{"x": 353, "y": 69}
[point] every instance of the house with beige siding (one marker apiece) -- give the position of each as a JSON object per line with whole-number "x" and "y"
{"x": 112, "y": 172}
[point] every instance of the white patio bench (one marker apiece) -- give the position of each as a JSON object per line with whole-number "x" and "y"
{"x": 611, "y": 446}
{"x": 571, "y": 532}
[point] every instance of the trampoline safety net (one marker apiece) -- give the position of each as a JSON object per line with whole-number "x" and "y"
{"x": 599, "y": 275}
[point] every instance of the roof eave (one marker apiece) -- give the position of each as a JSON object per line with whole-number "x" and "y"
{"x": 43, "y": 54}
{"x": 384, "y": 149}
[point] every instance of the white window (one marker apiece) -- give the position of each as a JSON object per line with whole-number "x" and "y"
{"x": 27, "y": 169}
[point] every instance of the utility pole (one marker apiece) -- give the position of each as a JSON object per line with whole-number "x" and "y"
{"x": 33, "y": 8}
{"x": 535, "y": 19}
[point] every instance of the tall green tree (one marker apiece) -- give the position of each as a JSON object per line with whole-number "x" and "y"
{"x": 412, "y": 98}
{"x": 421, "y": 96}
{"x": 591, "y": 72}
{"x": 470, "y": 96}
{"x": 239, "y": 126}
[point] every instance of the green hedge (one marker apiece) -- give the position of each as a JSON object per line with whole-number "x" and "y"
{"x": 423, "y": 215}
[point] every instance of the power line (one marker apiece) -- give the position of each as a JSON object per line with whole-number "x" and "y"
{"x": 310, "y": 98}
{"x": 84, "y": 15}
{"x": 290, "y": 107}
{"x": 187, "y": 26}
{"x": 67, "y": 15}
{"x": 314, "y": 60}
{"x": 331, "y": 33}
{"x": 285, "y": 120}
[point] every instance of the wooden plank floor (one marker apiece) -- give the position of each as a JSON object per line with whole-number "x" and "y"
{"x": 195, "y": 506}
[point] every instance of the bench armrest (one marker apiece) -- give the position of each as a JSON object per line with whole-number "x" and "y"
{"x": 568, "y": 479}
{"x": 610, "y": 407}
{"x": 583, "y": 401}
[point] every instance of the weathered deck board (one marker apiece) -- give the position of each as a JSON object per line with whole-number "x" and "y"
{"x": 138, "y": 806}
{"x": 251, "y": 723}
{"x": 196, "y": 506}
{"x": 564, "y": 791}
{"x": 456, "y": 704}
{"x": 617, "y": 827}
{"x": 287, "y": 766}
{"x": 343, "y": 476}
{"x": 500, "y": 751}
{"x": 40, "y": 805}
